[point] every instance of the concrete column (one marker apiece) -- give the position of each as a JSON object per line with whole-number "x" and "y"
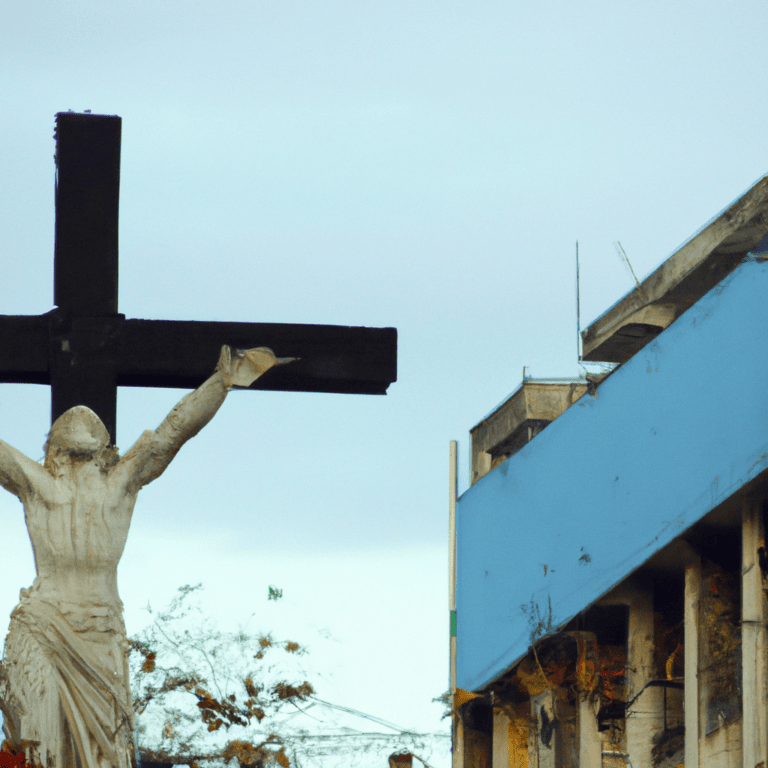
{"x": 500, "y": 758}
{"x": 753, "y": 640}
{"x": 691, "y": 693}
{"x": 645, "y": 716}
{"x": 543, "y": 710}
{"x": 519, "y": 737}
{"x": 590, "y": 745}
{"x": 533, "y": 748}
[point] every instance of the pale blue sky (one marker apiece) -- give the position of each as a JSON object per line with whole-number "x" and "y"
{"x": 421, "y": 165}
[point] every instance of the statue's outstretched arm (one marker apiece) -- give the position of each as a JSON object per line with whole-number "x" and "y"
{"x": 155, "y": 450}
{"x": 20, "y": 475}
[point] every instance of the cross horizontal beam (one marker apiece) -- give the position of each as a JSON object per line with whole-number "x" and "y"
{"x": 182, "y": 354}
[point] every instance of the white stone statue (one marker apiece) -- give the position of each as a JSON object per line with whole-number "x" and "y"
{"x": 64, "y": 686}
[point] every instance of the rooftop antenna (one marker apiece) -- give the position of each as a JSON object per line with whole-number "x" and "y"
{"x": 624, "y": 256}
{"x": 578, "y": 317}
{"x": 579, "y": 357}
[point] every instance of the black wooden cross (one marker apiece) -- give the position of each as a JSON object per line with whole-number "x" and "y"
{"x": 85, "y": 349}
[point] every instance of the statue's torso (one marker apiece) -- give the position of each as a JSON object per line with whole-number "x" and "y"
{"x": 78, "y": 528}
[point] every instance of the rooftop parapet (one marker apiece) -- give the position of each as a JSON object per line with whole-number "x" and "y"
{"x": 687, "y": 275}
{"x": 528, "y": 410}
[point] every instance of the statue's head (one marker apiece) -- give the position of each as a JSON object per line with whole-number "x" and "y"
{"x": 78, "y": 434}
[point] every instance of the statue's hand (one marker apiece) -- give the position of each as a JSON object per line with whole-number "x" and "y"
{"x": 241, "y": 367}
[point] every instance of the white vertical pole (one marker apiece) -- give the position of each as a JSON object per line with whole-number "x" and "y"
{"x": 753, "y": 640}
{"x": 691, "y": 641}
{"x": 458, "y": 756}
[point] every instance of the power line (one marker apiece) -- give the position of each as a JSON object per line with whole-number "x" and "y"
{"x": 357, "y": 712}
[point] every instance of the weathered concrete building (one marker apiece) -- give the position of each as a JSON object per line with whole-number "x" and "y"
{"x": 610, "y": 559}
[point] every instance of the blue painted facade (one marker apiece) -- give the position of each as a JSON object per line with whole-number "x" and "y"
{"x": 672, "y": 433}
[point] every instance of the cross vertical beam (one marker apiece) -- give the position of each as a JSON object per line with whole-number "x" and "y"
{"x": 87, "y": 204}
{"x": 85, "y": 331}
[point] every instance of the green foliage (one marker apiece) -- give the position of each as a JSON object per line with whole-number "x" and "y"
{"x": 445, "y": 700}
{"x": 539, "y": 623}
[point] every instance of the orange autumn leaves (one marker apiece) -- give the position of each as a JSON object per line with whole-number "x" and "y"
{"x": 13, "y": 758}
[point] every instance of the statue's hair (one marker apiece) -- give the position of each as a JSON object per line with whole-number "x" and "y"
{"x": 105, "y": 457}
